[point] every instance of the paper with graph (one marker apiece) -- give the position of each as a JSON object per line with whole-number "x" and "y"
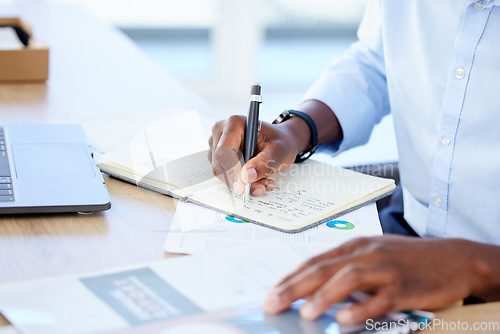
{"x": 197, "y": 230}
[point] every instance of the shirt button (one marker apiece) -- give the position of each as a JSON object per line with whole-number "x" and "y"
{"x": 445, "y": 140}
{"x": 478, "y": 6}
{"x": 460, "y": 73}
{"x": 437, "y": 201}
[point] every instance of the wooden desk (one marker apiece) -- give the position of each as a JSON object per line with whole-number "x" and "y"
{"x": 481, "y": 314}
{"x": 98, "y": 78}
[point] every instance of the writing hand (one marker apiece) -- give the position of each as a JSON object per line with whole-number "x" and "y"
{"x": 276, "y": 150}
{"x": 277, "y": 146}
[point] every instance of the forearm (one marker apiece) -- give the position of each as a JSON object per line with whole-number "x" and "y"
{"x": 326, "y": 122}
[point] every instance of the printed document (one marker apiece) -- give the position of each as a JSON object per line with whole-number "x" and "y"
{"x": 145, "y": 293}
{"x": 196, "y": 230}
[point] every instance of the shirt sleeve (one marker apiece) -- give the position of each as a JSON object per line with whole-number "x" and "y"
{"x": 354, "y": 86}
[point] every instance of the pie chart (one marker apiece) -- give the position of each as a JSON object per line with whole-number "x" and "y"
{"x": 235, "y": 220}
{"x": 340, "y": 225}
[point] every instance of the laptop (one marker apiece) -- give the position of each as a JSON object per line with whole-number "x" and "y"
{"x": 49, "y": 168}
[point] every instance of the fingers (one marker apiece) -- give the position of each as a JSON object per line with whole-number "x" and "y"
{"x": 378, "y": 305}
{"x": 260, "y": 187}
{"x": 233, "y": 133}
{"x": 225, "y": 154}
{"x": 302, "y": 284}
{"x": 261, "y": 166}
{"x": 347, "y": 280}
{"x": 274, "y": 154}
{"x": 330, "y": 277}
{"x": 270, "y": 159}
{"x": 267, "y": 162}
{"x": 342, "y": 250}
{"x": 226, "y": 165}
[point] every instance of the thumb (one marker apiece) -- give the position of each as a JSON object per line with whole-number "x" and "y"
{"x": 261, "y": 166}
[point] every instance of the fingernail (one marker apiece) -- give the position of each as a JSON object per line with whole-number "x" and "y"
{"x": 251, "y": 175}
{"x": 258, "y": 192}
{"x": 345, "y": 316}
{"x": 238, "y": 188}
{"x": 272, "y": 302}
{"x": 270, "y": 187}
{"x": 308, "y": 311}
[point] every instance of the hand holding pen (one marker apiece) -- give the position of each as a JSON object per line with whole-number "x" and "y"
{"x": 276, "y": 149}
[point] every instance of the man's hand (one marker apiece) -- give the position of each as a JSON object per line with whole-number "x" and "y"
{"x": 277, "y": 147}
{"x": 400, "y": 272}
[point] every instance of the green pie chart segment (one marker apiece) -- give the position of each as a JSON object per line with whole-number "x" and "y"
{"x": 340, "y": 225}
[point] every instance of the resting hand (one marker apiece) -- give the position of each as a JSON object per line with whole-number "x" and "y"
{"x": 401, "y": 273}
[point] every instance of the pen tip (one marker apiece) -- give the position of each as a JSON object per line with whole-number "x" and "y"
{"x": 246, "y": 193}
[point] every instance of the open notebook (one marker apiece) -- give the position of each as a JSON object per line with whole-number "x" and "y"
{"x": 305, "y": 195}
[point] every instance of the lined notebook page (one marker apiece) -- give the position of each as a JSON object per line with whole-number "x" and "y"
{"x": 304, "y": 194}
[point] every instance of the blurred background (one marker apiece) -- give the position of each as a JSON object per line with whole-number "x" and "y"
{"x": 219, "y": 47}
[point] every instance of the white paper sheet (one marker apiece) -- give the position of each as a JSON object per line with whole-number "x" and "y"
{"x": 149, "y": 292}
{"x": 196, "y": 230}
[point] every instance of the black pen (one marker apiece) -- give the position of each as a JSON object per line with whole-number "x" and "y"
{"x": 252, "y": 129}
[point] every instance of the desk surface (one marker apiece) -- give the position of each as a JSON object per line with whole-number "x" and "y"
{"x": 97, "y": 78}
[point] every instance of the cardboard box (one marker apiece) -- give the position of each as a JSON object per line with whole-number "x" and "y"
{"x": 28, "y": 64}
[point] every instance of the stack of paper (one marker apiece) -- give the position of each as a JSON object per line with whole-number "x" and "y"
{"x": 196, "y": 230}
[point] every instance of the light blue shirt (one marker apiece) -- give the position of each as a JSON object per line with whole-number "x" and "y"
{"x": 435, "y": 65}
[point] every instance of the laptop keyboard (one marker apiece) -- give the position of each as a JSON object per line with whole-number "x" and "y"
{"x": 6, "y": 185}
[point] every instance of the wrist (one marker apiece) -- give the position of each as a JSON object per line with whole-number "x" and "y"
{"x": 299, "y": 131}
{"x": 484, "y": 265}
{"x": 299, "y": 134}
